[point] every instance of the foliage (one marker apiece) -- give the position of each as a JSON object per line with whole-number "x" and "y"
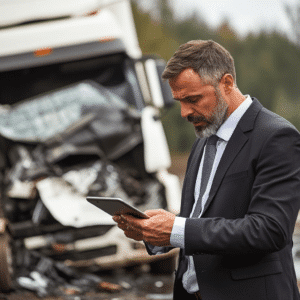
{"x": 267, "y": 64}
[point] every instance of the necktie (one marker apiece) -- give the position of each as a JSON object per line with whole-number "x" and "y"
{"x": 209, "y": 157}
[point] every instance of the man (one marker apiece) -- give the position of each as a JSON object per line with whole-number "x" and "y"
{"x": 240, "y": 196}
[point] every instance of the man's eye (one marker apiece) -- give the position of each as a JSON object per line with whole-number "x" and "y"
{"x": 194, "y": 100}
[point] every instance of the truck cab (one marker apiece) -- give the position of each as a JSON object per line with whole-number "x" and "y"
{"x": 78, "y": 102}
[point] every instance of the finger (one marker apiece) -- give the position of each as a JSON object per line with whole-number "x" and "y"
{"x": 133, "y": 235}
{"x": 117, "y": 218}
{"x": 127, "y": 227}
{"x": 154, "y": 212}
{"x": 136, "y": 223}
{"x": 122, "y": 227}
{"x": 121, "y": 224}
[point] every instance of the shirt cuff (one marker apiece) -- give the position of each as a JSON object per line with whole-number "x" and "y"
{"x": 177, "y": 234}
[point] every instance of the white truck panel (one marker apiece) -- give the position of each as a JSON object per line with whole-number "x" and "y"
{"x": 156, "y": 151}
{"x": 123, "y": 13}
{"x": 59, "y": 33}
{"x": 115, "y": 20}
{"x": 155, "y": 88}
{"x": 18, "y": 11}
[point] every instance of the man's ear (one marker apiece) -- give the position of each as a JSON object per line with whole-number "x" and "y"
{"x": 227, "y": 82}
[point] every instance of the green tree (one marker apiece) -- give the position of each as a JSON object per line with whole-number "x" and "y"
{"x": 267, "y": 64}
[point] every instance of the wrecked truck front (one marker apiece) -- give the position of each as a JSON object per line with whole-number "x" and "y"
{"x": 70, "y": 143}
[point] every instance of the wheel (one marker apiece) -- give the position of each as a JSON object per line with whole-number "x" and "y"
{"x": 6, "y": 263}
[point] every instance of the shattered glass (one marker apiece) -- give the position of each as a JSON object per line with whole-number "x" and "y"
{"x": 40, "y": 118}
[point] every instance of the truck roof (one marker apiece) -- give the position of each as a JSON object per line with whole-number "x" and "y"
{"x": 71, "y": 23}
{"x": 19, "y": 11}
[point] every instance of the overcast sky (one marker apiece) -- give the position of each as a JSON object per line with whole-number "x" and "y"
{"x": 244, "y": 15}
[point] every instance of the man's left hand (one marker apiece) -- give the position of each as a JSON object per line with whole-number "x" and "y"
{"x": 156, "y": 230}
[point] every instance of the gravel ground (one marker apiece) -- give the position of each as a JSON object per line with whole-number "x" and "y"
{"x": 135, "y": 284}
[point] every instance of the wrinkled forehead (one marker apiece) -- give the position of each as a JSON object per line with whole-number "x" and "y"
{"x": 185, "y": 77}
{"x": 189, "y": 75}
{"x": 187, "y": 83}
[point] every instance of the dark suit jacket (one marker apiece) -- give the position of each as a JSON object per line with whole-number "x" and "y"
{"x": 242, "y": 244}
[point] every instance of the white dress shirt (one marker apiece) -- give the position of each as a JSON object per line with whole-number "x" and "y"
{"x": 177, "y": 236}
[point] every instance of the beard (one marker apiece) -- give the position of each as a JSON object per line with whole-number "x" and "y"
{"x": 213, "y": 123}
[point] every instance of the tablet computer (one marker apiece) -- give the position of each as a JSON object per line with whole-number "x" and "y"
{"x": 116, "y": 206}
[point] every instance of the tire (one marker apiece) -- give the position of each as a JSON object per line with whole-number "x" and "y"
{"x": 6, "y": 263}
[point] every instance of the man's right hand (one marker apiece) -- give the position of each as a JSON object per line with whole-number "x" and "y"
{"x": 128, "y": 230}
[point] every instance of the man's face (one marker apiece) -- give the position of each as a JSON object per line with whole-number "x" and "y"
{"x": 201, "y": 104}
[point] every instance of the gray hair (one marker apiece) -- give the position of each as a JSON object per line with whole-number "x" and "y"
{"x": 207, "y": 58}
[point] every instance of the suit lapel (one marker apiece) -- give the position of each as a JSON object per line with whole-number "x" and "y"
{"x": 234, "y": 146}
{"x": 190, "y": 180}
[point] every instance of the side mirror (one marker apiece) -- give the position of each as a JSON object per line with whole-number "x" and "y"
{"x": 160, "y": 90}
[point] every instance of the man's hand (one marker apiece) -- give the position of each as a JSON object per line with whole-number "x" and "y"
{"x": 156, "y": 230}
{"x": 128, "y": 230}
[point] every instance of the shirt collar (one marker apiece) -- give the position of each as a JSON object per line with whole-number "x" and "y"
{"x": 227, "y": 128}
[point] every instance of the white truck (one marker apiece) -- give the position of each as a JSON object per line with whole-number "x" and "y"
{"x": 74, "y": 84}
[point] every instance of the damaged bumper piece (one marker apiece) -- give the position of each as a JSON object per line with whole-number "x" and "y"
{"x": 47, "y": 277}
{"x": 63, "y": 146}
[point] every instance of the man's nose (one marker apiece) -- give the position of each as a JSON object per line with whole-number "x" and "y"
{"x": 186, "y": 110}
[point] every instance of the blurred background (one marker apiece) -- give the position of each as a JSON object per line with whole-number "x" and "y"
{"x": 262, "y": 36}
{"x": 56, "y": 47}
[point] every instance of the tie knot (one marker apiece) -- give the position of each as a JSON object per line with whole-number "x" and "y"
{"x": 212, "y": 140}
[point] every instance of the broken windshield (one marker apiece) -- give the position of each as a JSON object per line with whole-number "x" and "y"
{"x": 40, "y": 118}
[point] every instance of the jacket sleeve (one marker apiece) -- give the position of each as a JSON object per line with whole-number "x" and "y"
{"x": 273, "y": 209}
